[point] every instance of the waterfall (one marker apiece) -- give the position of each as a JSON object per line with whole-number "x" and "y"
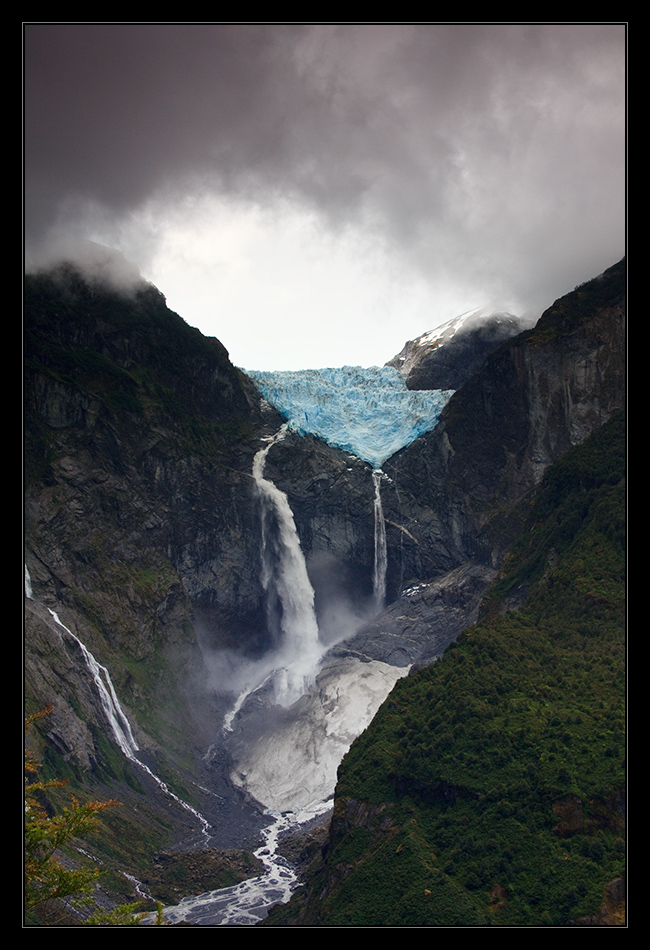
{"x": 368, "y": 412}
{"x": 120, "y": 726}
{"x": 290, "y": 596}
{"x": 117, "y": 719}
{"x": 113, "y": 711}
{"x": 380, "y": 563}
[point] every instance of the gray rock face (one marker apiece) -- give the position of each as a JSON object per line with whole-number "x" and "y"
{"x": 140, "y": 436}
{"x": 535, "y": 397}
{"x": 52, "y": 672}
{"x": 141, "y": 522}
{"x": 418, "y": 627}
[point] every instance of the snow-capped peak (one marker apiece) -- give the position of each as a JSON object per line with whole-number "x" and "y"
{"x": 446, "y": 331}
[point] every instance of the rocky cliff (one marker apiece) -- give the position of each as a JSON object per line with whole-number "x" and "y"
{"x": 140, "y": 434}
{"x": 141, "y": 526}
{"x": 458, "y": 495}
{"x": 536, "y": 396}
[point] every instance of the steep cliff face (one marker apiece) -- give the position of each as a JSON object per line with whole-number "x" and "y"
{"x": 141, "y": 525}
{"x": 464, "y": 803}
{"x": 489, "y": 788}
{"x": 536, "y": 396}
{"x": 458, "y": 494}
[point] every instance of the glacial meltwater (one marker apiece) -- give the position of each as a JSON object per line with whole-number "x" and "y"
{"x": 298, "y": 709}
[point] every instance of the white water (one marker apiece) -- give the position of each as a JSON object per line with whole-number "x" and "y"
{"x": 289, "y": 765}
{"x": 289, "y": 592}
{"x": 288, "y": 762}
{"x": 381, "y": 558}
{"x": 113, "y": 711}
{"x": 248, "y": 902}
{"x": 117, "y": 719}
{"x": 291, "y": 770}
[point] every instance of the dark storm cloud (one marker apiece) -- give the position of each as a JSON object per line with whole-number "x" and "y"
{"x": 113, "y": 113}
{"x": 494, "y": 148}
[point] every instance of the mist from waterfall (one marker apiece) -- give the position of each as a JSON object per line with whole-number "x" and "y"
{"x": 289, "y": 668}
{"x": 292, "y": 713}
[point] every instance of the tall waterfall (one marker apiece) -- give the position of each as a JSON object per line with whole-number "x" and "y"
{"x": 290, "y": 595}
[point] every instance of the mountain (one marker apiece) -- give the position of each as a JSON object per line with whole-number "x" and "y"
{"x": 143, "y": 535}
{"x": 457, "y": 495}
{"x": 430, "y": 362}
{"x": 489, "y": 788}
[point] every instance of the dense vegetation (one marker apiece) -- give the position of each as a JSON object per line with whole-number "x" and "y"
{"x": 489, "y": 789}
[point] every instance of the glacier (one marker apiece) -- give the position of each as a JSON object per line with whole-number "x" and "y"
{"x": 367, "y": 411}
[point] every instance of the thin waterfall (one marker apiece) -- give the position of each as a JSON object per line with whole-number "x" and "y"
{"x": 113, "y": 711}
{"x": 380, "y": 563}
{"x": 120, "y": 725}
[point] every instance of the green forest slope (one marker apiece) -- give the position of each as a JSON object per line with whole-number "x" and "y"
{"x": 489, "y": 789}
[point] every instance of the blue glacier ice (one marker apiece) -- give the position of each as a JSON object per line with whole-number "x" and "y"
{"x": 368, "y": 412}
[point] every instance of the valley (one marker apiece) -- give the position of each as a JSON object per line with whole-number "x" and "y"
{"x": 262, "y": 592}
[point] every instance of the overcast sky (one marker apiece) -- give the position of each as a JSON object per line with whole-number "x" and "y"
{"x": 315, "y": 195}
